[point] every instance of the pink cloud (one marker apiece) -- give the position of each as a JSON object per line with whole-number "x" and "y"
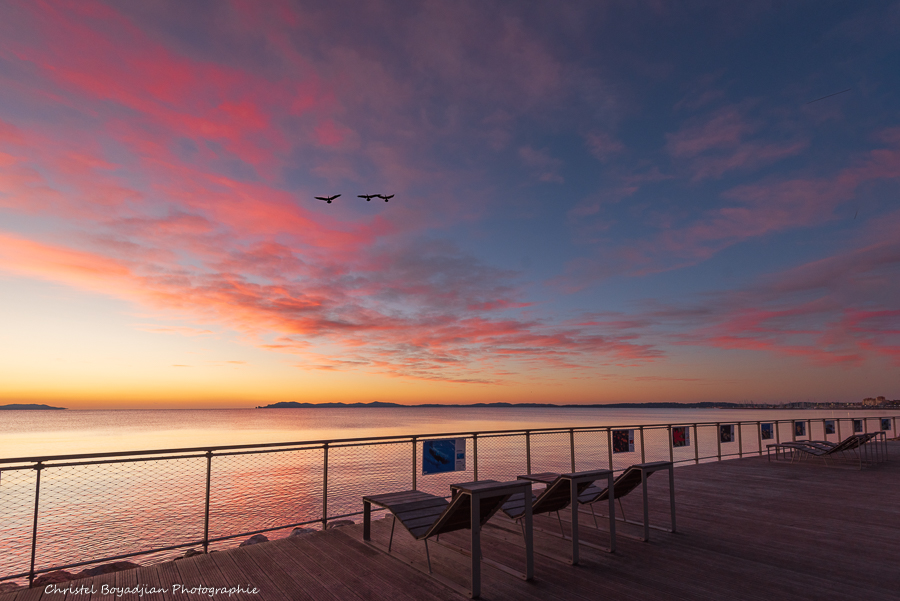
{"x": 722, "y": 130}
{"x": 545, "y": 167}
{"x": 603, "y": 146}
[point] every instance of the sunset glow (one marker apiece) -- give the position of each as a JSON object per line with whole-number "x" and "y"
{"x": 613, "y": 203}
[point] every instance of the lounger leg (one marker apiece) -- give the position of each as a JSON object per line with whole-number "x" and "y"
{"x": 611, "y": 487}
{"x": 475, "y": 512}
{"x": 574, "y": 504}
{"x": 391, "y": 542}
{"x": 428, "y": 556}
{"x": 646, "y": 507}
{"x": 367, "y": 520}
{"x": 529, "y": 537}
{"x": 672, "y": 493}
{"x": 594, "y": 515}
{"x": 562, "y": 532}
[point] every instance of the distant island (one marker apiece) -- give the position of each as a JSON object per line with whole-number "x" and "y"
{"x": 31, "y": 407}
{"x": 704, "y": 405}
{"x": 868, "y": 403}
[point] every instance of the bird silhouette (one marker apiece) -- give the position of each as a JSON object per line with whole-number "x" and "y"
{"x": 368, "y": 197}
{"x": 386, "y": 198}
{"x": 327, "y": 199}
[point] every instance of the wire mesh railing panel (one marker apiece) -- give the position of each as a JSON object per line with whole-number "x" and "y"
{"x": 92, "y": 511}
{"x": 551, "y": 452}
{"x": 626, "y": 448}
{"x": 591, "y": 450}
{"x": 656, "y": 444}
{"x": 708, "y": 441}
{"x": 749, "y": 438}
{"x": 16, "y": 520}
{"x": 361, "y": 470}
{"x": 439, "y": 483}
{"x": 264, "y": 490}
{"x": 502, "y": 457}
{"x": 683, "y": 443}
{"x": 800, "y": 429}
{"x": 728, "y": 439}
{"x": 783, "y": 432}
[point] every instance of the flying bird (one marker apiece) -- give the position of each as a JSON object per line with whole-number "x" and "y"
{"x": 368, "y": 197}
{"x": 327, "y": 199}
{"x": 386, "y": 198}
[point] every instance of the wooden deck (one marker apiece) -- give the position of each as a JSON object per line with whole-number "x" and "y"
{"x": 748, "y": 529}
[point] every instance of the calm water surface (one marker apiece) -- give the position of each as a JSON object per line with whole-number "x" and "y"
{"x": 32, "y": 433}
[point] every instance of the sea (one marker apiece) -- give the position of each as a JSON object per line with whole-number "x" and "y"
{"x": 95, "y": 510}
{"x": 31, "y": 433}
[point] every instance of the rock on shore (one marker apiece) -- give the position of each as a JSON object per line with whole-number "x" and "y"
{"x": 60, "y": 576}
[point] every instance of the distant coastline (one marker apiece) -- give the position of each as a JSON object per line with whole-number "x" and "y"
{"x": 703, "y": 405}
{"x": 671, "y": 405}
{"x": 31, "y": 407}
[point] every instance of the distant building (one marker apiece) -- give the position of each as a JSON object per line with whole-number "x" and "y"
{"x": 873, "y": 402}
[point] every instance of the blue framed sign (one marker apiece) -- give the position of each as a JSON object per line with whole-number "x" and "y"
{"x": 443, "y": 455}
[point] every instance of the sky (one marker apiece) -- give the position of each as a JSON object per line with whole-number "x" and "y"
{"x": 593, "y": 202}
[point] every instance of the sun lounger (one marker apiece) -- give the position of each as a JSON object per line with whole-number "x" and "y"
{"x": 856, "y": 443}
{"x": 626, "y": 482}
{"x": 562, "y": 491}
{"x": 473, "y": 504}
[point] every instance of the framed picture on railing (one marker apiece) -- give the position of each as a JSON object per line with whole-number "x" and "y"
{"x": 623, "y": 441}
{"x": 857, "y": 426}
{"x": 829, "y": 426}
{"x": 767, "y": 431}
{"x": 444, "y": 455}
{"x": 726, "y": 433}
{"x": 885, "y": 423}
{"x": 681, "y": 436}
{"x": 799, "y": 428}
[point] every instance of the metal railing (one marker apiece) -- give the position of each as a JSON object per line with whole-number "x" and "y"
{"x": 66, "y": 511}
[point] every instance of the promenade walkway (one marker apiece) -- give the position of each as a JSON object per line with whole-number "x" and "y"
{"x": 748, "y": 529}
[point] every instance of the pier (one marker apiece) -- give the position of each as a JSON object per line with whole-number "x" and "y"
{"x": 747, "y": 529}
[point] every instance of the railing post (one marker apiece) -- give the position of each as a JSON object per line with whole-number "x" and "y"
{"x": 759, "y": 435}
{"x": 793, "y": 431}
{"x": 572, "y": 446}
{"x": 609, "y": 446}
{"x": 740, "y": 441}
{"x": 415, "y": 451}
{"x": 777, "y": 432}
{"x": 325, "y": 486}
{"x": 838, "y": 420}
{"x": 719, "y": 440}
{"x": 206, "y": 511}
{"x": 696, "y": 446}
{"x": 37, "y": 496}
{"x": 528, "y": 452}
{"x": 475, "y": 455}
{"x": 643, "y": 454}
{"x": 824, "y": 433}
{"x": 671, "y": 448}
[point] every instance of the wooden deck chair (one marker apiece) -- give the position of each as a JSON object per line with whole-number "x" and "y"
{"x": 633, "y": 476}
{"x": 555, "y": 497}
{"x": 562, "y": 491}
{"x": 425, "y": 515}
